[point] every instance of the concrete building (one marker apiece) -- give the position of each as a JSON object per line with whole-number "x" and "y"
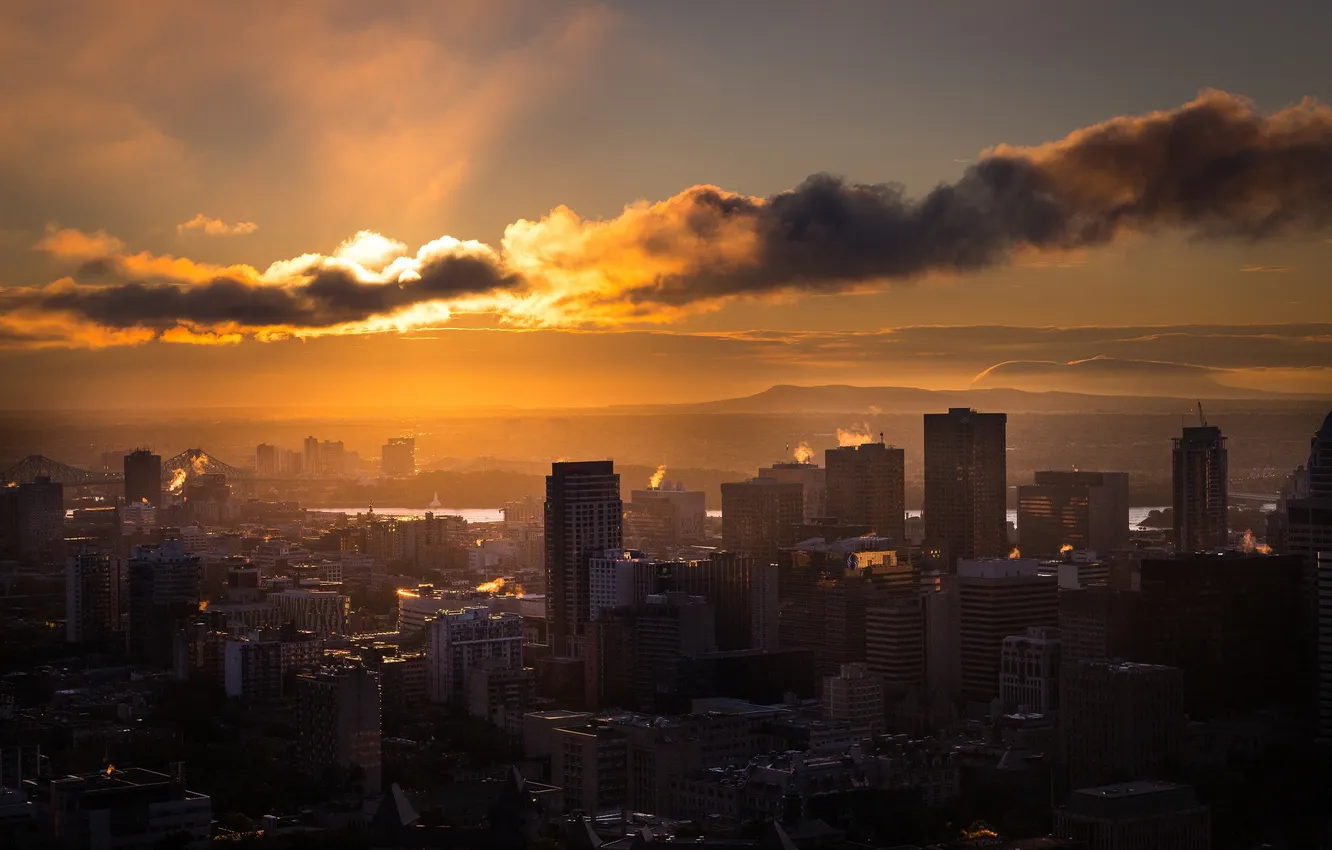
{"x": 1133, "y": 815}
{"x": 1029, "y": 671}
{"x": 943, "y": 626}
{"x": 810, "y": 476}
{"x": 866, "y": 485}
{"x": 143, "y": 477}
{"x": 1232, "y": 622}
{"x": 966, "y": 484}
{"x": 94, "y": 596}
{"x": 666, "y": 628}
{"x": 163, "y": 596}
{"x": 665, "y": 517}
{"x": 1119, "y": 720}
{"x": 620, "y": 578}
{"x": 266, "y": 460}
{"x": 458, "y": 642}
{"x": 1098, "y": 624}
{"x": 997, "y": 598}
{"x": 397, "y": 459}
{"x": 323, "y": 612}
{"x": 588, "y": 760}
{"x": 501, "y": 695}
{"x": 1084, "y": 510}
{"x": 133, "y": 809}
{"x": 32, "y": 521}
{"x": 895, "y": 642}
{"x": 1325, "y": 647}
{"x": 417, "y": 606}
{"x": 338, "y": 723}
{"x": 854, "y": 697}
{"x": 734, "y": 585}
{"x": 252, "y": 667}
{"x": 761, "y": 516}
{"x": 583, "y": 516}
{"x": 1199, "y": 470}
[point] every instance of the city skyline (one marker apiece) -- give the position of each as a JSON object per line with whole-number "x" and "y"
{"x": 534, "y": 200}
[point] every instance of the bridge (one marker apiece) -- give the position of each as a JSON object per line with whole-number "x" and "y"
{"x": 191, "y": 462}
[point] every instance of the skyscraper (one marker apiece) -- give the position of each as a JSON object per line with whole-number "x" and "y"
{"x": 1085, "y": 510}
{"x": 33, "y": 520}
{"x": 310, "y": 464}
{"x": 998, "y": 598}
{"x": 966, "y": 484}
{"x": 398, "y": 457}
{"x": 143, "y": 477}
{"x": 265, "y": 459}
{"x": 584, "y": 516}
{"x": 163, "y": 595}
{"x": 866, "y": 485}
{"x": 338, "y": 723}
{"x": 811, "y": 476}
{"x": 93, "y": 581}
{"x": 1199, "y": 479}
{"x": 1119, "y": 720}
{"x": 1324, "y": 649}
{"x": 761, "y": 516}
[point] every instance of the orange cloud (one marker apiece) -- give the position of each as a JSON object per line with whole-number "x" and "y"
{"x": 216, "y": 226}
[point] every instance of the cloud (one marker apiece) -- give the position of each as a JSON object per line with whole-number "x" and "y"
{"x": 1213, "y": 168}
{"x": 216, "y": 226}
{"x": 1267, "y": 269}
{"x": 68, "y": 243}
{"x": 1109, "y": 376}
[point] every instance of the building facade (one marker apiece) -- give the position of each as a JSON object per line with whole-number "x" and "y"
{"x": 1199, "y": 468}
{"x": 866, "y": 485}
{"x": 966, "y": 484}
{"x": 583, "y": 515}
{"x": 1084, "y": 510}
{"x": 998, "y": 598}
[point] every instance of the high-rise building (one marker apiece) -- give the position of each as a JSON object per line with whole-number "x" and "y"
{"x": 810, "y": 476}
{"x": 1084, "y": 510}
{"x": 621, "y": 578}
{"x": 128, "y": 807}
{"x": 164, "y": 586}
{"x": 323, "y": 612}
{"x": 458, "y": 642}
{"x": 398, "y": 457}
{"x": 668, "y": 627}
{"x": 855, "y": 697}
{"x": 1324, "y": 721}
{"x": 1231, "y": 622}
{"x": 966, "y": 484}
{"x": 94, "y": 584}
{"x": 1130, "y": 815}
{"x": 584, "y": 516}
{"x": 866, "y": 484}
{"x": 761, "y": 516}
{"x": 1119, "y": 719}
{"x": 1199, "y": 483}
{"x": 997, "y": 598}
{"x": 895, "y": 642}
{"x": 265, "y": 459}
{"x": 310, "y": 461}
{"x": 665, "y": 517}
{"x": 32, "y": 520}
{"x": 338, "y": 724}
{"x": 1098, "y": 624}
{"x": 729, "y": 582}
{"x": 1029, "y": 671}
{"x": 1304, "y": 519}
{"x": 143, "y": 477}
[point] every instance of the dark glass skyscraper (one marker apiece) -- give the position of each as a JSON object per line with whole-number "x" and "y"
{"x": 966, "y": 484}
{"x": 143, "y": 477}
{"x": 866, "y": 485}
{"x": 584, "y": 515}
{"x": 1199, "y": 478}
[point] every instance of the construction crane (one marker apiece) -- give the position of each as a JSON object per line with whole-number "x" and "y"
{"x": 1202, "y": 420}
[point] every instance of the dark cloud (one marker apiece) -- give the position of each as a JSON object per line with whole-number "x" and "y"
{"x": 1215, "y": 168}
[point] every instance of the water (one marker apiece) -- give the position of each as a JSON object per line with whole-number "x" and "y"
{"x": 469, "y": 514}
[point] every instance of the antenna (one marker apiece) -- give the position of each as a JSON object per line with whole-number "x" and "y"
{"x": 1202, "y": 420}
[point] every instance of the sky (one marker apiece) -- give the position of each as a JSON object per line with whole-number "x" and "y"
{"x": 454, "y": 205}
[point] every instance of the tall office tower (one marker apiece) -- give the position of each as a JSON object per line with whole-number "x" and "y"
{"x": 1098, "y": 624}
{"x": 1029, "y": 671}
{"x": 966, "y": 484}
{"x": 621, "y": 578}
{"x": 1304, "y": 514}
{"x": 1231, "y": 622}
{"x": 163, "y": 598}
{"x": 1199, "y": 483}
{"x": 398, "y": 457}
{"x": 32, "y": 520}
{"x": 310, "y": 456}
{"x": 1135, "y": 814}
{"x": 1085, "y": 510}
{"x": 584, "y": 515}
{"x": 457, "y": 642}
{"x": 265, "y": 459}
{"x": 943, "y": 662}
{"x": 608, "y": 660}
{"x": 143, "y": 477}
{"x": 668, "y": 627}
{"x": 93, "y": 585}
{"x": 867, "y": 485}
{"x": 332, "y": 457}
{"x": 1119, "y": 720}
{"x": 338, "y": 724}
{"x": 761, "y": 516}
{"x": 765, "y": 607}
{"x": 855, "y": 697}
{"x": 997, "y": 598}
{"x": 810, "y": 476}
{"x": 1325, "y": 647}
{"x": 728, "y": 581}
{"x": 895, "y": 642}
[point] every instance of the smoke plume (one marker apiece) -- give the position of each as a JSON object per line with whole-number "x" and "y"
{"x": 803, "y": 453}
{"x": 1212, "y": 168}
{"x": 655, "y": 480}
{"x": 856, "y": 435}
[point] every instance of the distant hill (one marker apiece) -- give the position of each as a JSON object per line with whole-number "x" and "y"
{"x": 841, "y": 398}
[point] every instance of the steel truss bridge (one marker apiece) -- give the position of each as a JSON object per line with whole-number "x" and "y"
{"x": 191, "y": 461}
